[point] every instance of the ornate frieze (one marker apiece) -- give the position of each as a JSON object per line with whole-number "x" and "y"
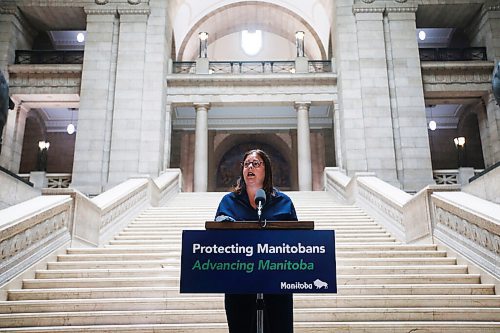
{"x": 24, "y": 79}
{"x": 382, "y": 206}
{"x": 124, "y": 207}
{"x": 470, "y": 75}
{"x": 25, "y": 239}
{"x": 471, "y": 231}
{"x": 133, "y": 11}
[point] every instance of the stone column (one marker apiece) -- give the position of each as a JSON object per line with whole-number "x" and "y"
{"x": 352, "y": 152}
{"x": 304, "y": 146}
{"x": 167, "y": 140}
{"x": 155, "y": 128}
{"x": 201, "y": 148}
{"x": 15, "y": 34}
{"x": 414, "y": 168}
{"x": 13, "y": 138}
{"x": 493, "y": 126}
{"x": 93, "y": 138}
{"x": 128, "y": 112}
{"x": 376, "y": 106}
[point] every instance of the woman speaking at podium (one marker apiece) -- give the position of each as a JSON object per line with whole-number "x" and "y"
{"x": 240, "y": 205}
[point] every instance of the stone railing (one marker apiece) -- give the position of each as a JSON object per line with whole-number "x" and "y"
{"x": 32, "y": 57}
{"x": 467, "y": 224}
{"x": 33, "y": 229}
{"x": 451, "y": 54}
{"x": 470, "y": 226}
{"x": 454, "y": 176}
{"x": 253, "y": 67}
{"x": 53, "y": 180}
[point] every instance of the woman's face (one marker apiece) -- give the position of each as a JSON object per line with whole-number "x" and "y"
{"x": 254, "y": 171}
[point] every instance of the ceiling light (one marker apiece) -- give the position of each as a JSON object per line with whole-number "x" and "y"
{"x": 432, "y": 125}
{"x": 80, "y": 37}
{"x": 70, "y": 129}
{"x": 422, "y": 35}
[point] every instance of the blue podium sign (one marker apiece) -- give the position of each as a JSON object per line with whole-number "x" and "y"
{"x": 258, "y": 261}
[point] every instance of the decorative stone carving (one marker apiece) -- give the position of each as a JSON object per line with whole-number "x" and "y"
{"x": 368, "y": 1}
{"x": 122, "y": 207}
{"x": 101, "y": 2}
{"x": 468, "y": 230}
{"x": 377, "y": 202}
{"x": 401, "y": 1}
{"x": 134, "y": 2}
{"x": 25, "y": 239}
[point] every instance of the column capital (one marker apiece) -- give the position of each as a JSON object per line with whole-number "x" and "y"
{"x": 302, "y": 105}
{"x": 199, "y": 106}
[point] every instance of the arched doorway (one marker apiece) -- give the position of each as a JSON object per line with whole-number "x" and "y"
{"x": 230, "y": 153}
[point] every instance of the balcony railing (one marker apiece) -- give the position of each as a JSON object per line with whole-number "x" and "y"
{"x": 251, "y": 67}
{"x": 449, "y": 176}
{"x": 444, "y": 54}
{"x": 185, "y": 67}
{"x": 48, "y": 57}
{"x": 54, "y": 180}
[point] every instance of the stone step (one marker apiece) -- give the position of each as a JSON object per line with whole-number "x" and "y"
{"x": 176, "y": 247}
{"x": 299, "y": 327}
{"x": 400, "y": 279}
{"x": 338, "y": 235}
{"x": 79, "y": 272}
{"x": 163, "y": 291}
{"x": 218, "y": 316}
{"x": 103, "y": 256}
{"x": 176, "y": 234}
{"x": 337, "y": 240}
{"x": 141, "y": 262}
{"x": 217, "y": 302}
{"x": 362, "y": 263}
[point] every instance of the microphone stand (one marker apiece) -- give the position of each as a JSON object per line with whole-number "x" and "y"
{"x": 260, "y": 296}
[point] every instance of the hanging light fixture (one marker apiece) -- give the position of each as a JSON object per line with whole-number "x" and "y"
{"x": 80, "y": 37}
{"x": 432, "y": 123}
{"x": 71, "y": 128}
{"x": 422, "y": 35}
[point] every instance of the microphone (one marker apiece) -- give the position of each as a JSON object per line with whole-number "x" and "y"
{"x": 260, "y": 200}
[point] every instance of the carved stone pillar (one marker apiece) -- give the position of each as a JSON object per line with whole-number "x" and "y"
{"x": 201, "y": 148}
{"x": 93, "y": 138}
{"x": 13, "y": 138}
{"x": 304, "y": 146}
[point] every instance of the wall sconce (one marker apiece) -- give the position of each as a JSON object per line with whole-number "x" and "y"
{"x": 42, "y": 155}
{"x": 299, "y": 43}
{"x": 203, "y": 36}
{"x": 43, "y": 145}
{"x": 460, "y": 145}
{"x": 459, "y": 142}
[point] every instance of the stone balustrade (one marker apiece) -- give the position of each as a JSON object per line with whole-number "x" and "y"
{"x": 35, "y": 228}
{"x": 31, "y": 230}
{"x": 470, "y": 226}
{"x": 467, "y": 224}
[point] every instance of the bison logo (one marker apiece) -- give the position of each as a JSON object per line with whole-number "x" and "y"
{"x": 320, "y": 284}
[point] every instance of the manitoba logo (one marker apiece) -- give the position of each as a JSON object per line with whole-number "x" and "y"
{"x": 320, "y": 284}
{"x": 304, "y": 285}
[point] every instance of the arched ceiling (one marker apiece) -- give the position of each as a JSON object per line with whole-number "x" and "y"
{"x": 221, "y": 18}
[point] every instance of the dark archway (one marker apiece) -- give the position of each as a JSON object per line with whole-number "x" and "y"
{"x": 228, "y": 168}
{"x": 469, "y": 128}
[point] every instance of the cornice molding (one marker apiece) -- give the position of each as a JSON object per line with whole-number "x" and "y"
{"x": 494, "y": 7}
{"x": 364, "y": 10}
{"x": 100, "y": 11}
{"x": 401, "y": 9}
{"x": 134, "y": 11}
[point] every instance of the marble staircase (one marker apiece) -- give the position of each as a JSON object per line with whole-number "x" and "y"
{"x": 131, "y": 284}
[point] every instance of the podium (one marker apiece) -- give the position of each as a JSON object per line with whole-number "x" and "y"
{"x": 284, "y": 257}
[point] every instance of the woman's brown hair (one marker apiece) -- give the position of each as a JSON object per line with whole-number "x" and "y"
{"x": 268, "y": 185}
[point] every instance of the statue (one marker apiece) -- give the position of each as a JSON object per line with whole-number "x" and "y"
{"x": 5, "y": 104}
{"x": 496, "y": 82}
